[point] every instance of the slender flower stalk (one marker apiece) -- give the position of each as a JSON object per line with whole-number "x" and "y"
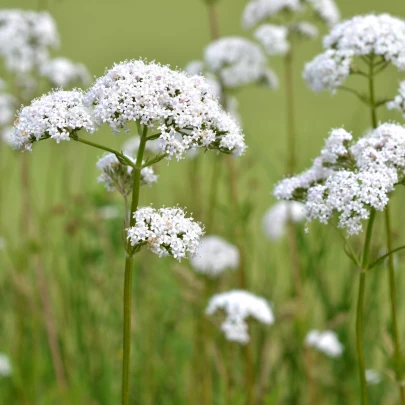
{"x": 129, "y": 264}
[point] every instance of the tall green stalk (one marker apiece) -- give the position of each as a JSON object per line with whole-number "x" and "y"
{"x": 391, "y": 271}
{"x": 129, "y": 264}
{"x": 360, "y": 309}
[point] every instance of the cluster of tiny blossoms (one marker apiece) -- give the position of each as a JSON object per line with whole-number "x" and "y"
{"x": 117, "y": 176}
{"x": 350, "y": 180}
{"x": 326, "y": 342}
{"x": 276, "y": 218}
{"x": 182, "y": 108}
{"x": 380, "y": 36}
{"x": 238, "y": 62}
{"x": 165, "y": 231}
{"x": 239, "y": 306}
{"x": 25, "y": 39}
{"x": 55, "y": 115}
{"x": 214, "y": 256}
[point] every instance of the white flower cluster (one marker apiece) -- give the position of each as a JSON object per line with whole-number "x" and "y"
{"x": 62, "y": 72}
{"x": 377, "y": 35}
{"x": 329, "y": 70}
{"x": 273, "y": 38}
{"x": 55, "y": 115}
{"x": 373, "y": 377}
{"x": 239, "y": 306}
{"x": 182, "y": 108}
{"x": 214, "y": 256}
{"x": 131, "y": 146}
{"x": 25, "y": 38}
{"x": 350, "y": 180}
{"x": 399, "y": 101}
{"x": 326, "y": 342}
{"x": 258, "y": 11}
{"x": 238, "y": 62}
{"x": 276, "y": 218}
{"x": 5, "y": 366}
{"x": 117, "y": 176}
{"x": 165, "y": 231}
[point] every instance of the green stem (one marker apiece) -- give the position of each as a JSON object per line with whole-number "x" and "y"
{"x": 394, "y": 312}
{"x": 128, "y": 274}
{"x": 360, "y": 309}
{"x": 372, "y": 95}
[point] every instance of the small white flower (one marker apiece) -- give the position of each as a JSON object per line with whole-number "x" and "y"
{"x": 239, "y": 306}
{"x": 55, "y": 115}
{"x": 117, "y": 176}
{"x": 26, "y": 38}
{"x": 237, "y": 62}
{"x": 305, "y": 29}
{"x": 214, "y": 256}
{"x": 373, "y": 377}
{"x": 273, "y": 38}
{"x": 62, "y": 72}
{"x": 326, "y": 10}
{"x": 165, "y": 231}
{"x": 399, "y": 101}
{"x": 181, "y": 108}
{"x": 5, "y": 366}
{"x": 329, "y": 70}
{"x": 326, "y": 342}
{"x": 276, "y": 218}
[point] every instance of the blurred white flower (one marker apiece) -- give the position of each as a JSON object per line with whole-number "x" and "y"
{"x": 182, "y": 108}
{"x": 8, "y": 107}
{"x": 55, "y": 115}
{"x": 305, "y": 29}
{"x": 276, "y": 218}
{"x": 399, "y": 101}
{"x": 109, "y": 212}
{"x": 165, "y": 231}
{"x": 5, "y": 366}
{"x": 214, "y": 256}
{"x": 326, "y": 342}
{"x": 237, "y": 62}
{"x": 273, "y": 38}
{"x": 62, "y": 72}
{"x": 26, "y": 38}
{"x": 373, "y": 377}
{"x": 239, "y": 306}
{"x": 117, "y": 176}
{"x": 326, "y": 10}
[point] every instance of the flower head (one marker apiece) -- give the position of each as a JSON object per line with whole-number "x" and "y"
{"x": 165, "y": 231}
{"x": 62, "y": 72}
{"x": 350, "y": 179}
{"x": 25, "y": 38}
{"x": 273, "y": 38}
{"x": 276, "y": 218}
{"x": 214, "y": 256}
{"x": 399, "y": 101}
{"x": 326, "y": 10}
{"x": 117, "y": 176}
{"x": 181, "y": 108}
{"x": 373, "y": 377}
{"x": 326, "y": 342}
{"x": 237, "y": 62}
{"x": 55, "y": 115}
{"x": 238, "y": 306}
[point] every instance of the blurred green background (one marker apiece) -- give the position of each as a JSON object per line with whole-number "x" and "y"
{"x": 81, "y": 256}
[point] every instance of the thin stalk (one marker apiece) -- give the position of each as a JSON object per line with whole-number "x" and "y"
{"x": 129, "y": 262}
{"x": 360, "y": 310}
{"x": 213, "y": 192}
{"x": 394, "y": 312}
{"x": 391, "y": 271}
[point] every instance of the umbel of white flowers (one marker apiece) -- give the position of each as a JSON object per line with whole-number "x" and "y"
{"x": 381, "y": 37}
{"x": 276, "y": 218}
{"x": 326, "y": 342}
{"x": 239, "y": 306}
{"x": 214, "y": 256}
{"x": 165, "y": 231}
{"x": 182, "y": 110}
{"x": 350, "y": 178}
{"x": 276, "y": 39}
